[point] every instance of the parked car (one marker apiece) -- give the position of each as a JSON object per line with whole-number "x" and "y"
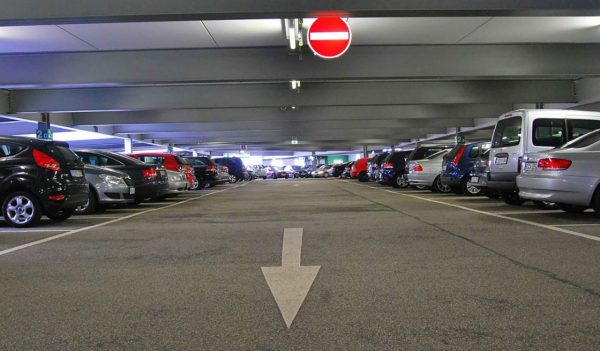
{"x": 294, "y": 171}
{"x": 338, "y": 169}
{"x": 279, "y": 173}
{"x": 529, "y": 131}
{"x": 205, "y": 171}
{"x": 568, "y": 175}
{"x": 304, "y": 172}
{"x": 149, "y": 181}
{"x": 393, "y": 170}
{"x": 374, "y": 165}
{"x": 235, "y": 165}
{"x": 347, "y": 170}
{"x": 322, "y": 172}
{"x": 169, "y": 162}
{"x": 458, "y": 165}
{"x": 178, "y": 184}
{"x": 107, "y": 187}
{"x": 261, "y": 171}
{"x": 359, "y": 170}
{"x": 426, "y": 173}
{"x": 479, "y": 175}
{"x": 39, "y": 178}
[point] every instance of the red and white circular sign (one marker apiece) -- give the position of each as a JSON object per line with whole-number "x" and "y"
{"x": 329, "y": 37}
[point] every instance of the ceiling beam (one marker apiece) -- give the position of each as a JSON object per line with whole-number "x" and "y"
{"x": 117, "y": 68}
{"x": 328, "y": 113}
{"x": 19, "y": 12}
{"x": 277, "y": 95}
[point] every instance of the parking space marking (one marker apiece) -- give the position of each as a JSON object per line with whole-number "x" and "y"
{"x": 120, "y": 219}
{"x": 491, "y": 214}
{"x": 528, "y": 212}
{"x": 17, "y": 230}
{"x": 576, "y": 225}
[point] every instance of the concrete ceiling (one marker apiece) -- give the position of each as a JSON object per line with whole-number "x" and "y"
{"x": 216, "y": 76}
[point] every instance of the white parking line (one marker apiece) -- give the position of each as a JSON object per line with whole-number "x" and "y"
{"x": 17, "y": 230}
{"x": 528, "y": 212}
{"x": 120, "y": 219}
{"x": 491, "y": 214}
{"x": 576, "y": 225}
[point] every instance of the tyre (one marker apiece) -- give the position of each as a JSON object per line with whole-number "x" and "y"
{"x": 512, "y": 198}
{"x": 195, "y": 184}
{"x": 21, "y": 209}
{"x": 61, "y": 215}
{"x": 264, "y": 177}
{"x": 469, "y": 190}
{"x": 232, "y": 179}
{"x": 400, "y": 181}
{"x": 363, "y": 177}
{"x": 90, "y": 206}
{"x": 545, "y": 205}
{"x": 439, "y": 187}
{"x": 326, "y": 175}
{"x": 571, "y": 208}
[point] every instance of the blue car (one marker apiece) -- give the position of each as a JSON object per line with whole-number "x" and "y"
{"x": 459, "y": 164}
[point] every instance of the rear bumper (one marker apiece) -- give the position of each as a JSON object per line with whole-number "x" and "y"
{"x": 506, "y": 181}
{"x": 75, "y": 195}
{"x": 425, "y": 179}
{"x": 563, "y": 189}
{"x": 449, "y": 180}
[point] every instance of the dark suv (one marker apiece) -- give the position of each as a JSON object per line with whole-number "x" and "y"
{"x": 237, "y": 170}
{"x": 39, "y": 177}
{"x": 148, "y": 180}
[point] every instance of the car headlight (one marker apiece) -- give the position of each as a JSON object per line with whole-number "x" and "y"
{"x": 111, "y": 179}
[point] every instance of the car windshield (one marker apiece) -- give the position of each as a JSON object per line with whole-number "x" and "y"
{"x": 583, "y": 141}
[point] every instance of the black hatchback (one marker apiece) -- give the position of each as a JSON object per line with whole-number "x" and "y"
{"x": 38, "y": 178}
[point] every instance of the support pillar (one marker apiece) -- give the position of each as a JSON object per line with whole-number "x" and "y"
{"x": 314, "y": 160}
{"x": 128, "y": 144}
{"x": 392, "y": 148}
{"x": 539, "y": 106}
{"x": 365, "y": 151}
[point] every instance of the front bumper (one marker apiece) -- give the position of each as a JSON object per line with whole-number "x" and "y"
{"x": 114, "y": 194}
{"x": 176, "y": 188}
{"x": 563, "y": 189}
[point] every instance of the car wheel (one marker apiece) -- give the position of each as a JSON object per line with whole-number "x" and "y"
{"x": 232, "y": 179}
{"x": 195, "y": 184}
{"x": 440, "y": 187}
{"x": 61, "y": 215}
{"x": 21, "y": 209}
{"x": 326, "y": 175}
{"x": 512, "y": 198}
{"x": 362, "y": 177}
{"x": 545, "y": 205}
{"x": 571, "y": 208}
{"x": 90, "y": 206}
{"x": 399, "y": 181}
{"x": 469, "y": 190}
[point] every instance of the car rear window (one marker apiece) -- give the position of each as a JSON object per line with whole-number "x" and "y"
{"x": 152, "y": 160}
{"x": 584, "y": 141}
{"x": 181, "y": 161}
{"x": 507, "y": 132}
{"x": 62, "y": 154}
{"x": 423, "y": 152}
{"x": 10, "y": 149}
{"x": 195, "y": 161}
{"x": 97, "y": 160}
{"x": 549, "y": 132}
{"x": 437, "y": 154}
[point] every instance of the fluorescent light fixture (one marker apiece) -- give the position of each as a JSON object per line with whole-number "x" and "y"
{"x": 292, "y": 36}
{"x": 295, "y": 84}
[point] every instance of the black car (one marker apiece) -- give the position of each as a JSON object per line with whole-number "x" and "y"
{"x": 303, "y": 172}
{"x": 39, "y": 177}
{"x": 393, "y": 170}
{"x": 150, "y": 181}
{"x": 374, "y": 165}
{"x": 236, "y": 167}
{"x": 338, "y": 169}
{"x": 205, "y": 171}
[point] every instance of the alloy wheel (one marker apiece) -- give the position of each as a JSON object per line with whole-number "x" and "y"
{"x": 20, "y": 210}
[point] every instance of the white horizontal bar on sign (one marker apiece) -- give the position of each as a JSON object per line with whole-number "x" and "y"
{"x": 329, "y": 36}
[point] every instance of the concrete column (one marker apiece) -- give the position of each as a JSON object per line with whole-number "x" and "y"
{"x": 128, "y": 144}
{"x": 392, "y": 148}
{"x": 365, "y": 151}
{"x": 539, "y": 106}
{"x": 314, "y": 160}
{"x": 194, "y": 153}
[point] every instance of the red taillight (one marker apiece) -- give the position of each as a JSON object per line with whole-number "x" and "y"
{"x": 45, "y": 161}
{"x": 555, "y": 164}
{"x": 211, "y": 168}
{"x": 150, "y": 173}
{"x": 388, "y": 165}
{"x": 418, "y": 168}
{"x": 56, "y": 197}
{"x": 459, "y": 155}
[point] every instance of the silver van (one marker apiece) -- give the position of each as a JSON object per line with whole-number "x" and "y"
{"x": 524, "y": 131}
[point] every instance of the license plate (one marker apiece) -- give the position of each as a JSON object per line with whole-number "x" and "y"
{"x": 131, "y": 191}
{"x": 501, "y": 160}
{"x": 474, "y": 179}
{"x": 76, "y": 173}
{"x": 530, "y": 166}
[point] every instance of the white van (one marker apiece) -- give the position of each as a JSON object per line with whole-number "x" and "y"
{"x": 523, "y": 131}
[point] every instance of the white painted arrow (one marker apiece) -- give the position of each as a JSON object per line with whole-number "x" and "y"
{"x": 291, "y": 282}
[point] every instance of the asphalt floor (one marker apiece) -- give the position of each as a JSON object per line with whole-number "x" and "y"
{"x": 401, "y": 269}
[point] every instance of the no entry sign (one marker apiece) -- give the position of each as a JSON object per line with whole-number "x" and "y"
{"x": 329, "y": 37}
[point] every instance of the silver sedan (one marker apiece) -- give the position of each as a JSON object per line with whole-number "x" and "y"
{"x": 177, "y": 183}
{"x": 107, "y": 187}
{"x": 568, "y": 175}
{"x": 426, "y": 172}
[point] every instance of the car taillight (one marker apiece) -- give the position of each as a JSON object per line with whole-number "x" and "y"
{"x": 388, "y": 165}
{"x": 418, "y": 168}
{"x": 150, "y": 173}
{"x": 56, "y": 197}
{"x": 459, "y": 155}
{"x": 211, "y": 168}
{"x": 45, "y": 161}
{"x": 554, "y": 164}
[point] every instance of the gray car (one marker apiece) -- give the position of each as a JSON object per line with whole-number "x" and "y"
{"x": 177, "y": 184}
{"x": 107, "y": 187}
{"x": 568, "y": 176}
{"x": 426, "y": 172}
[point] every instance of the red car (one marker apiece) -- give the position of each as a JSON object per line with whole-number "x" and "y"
{"x": 168, "y": 161}
{"x": 359, "y": 170}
